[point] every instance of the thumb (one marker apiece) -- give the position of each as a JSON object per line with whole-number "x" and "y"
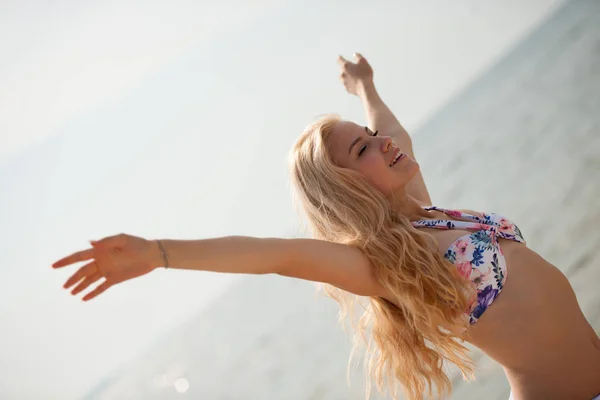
{"x": 110, "y": 241}
{"x": 358, "y": 56}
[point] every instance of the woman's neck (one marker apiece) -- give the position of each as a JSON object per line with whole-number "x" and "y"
{"x": 410, "y": 208}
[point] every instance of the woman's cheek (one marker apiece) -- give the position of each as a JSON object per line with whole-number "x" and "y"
{"x": 374, "y": 163}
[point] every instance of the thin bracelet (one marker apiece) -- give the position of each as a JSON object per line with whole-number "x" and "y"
{"x": 164, "y": 254}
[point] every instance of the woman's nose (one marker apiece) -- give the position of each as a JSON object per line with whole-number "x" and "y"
{"x": 386, "y": 143}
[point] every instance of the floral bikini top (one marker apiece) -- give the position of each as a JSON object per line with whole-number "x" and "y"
{"x": 477, "y": 255}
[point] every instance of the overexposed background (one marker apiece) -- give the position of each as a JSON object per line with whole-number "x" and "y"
{"x": 174, "y": 120}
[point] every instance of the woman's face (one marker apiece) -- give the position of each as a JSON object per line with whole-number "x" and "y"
{"x": 375, "y": 157}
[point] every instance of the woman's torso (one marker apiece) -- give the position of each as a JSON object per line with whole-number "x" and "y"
{"x": 534, "y": 328}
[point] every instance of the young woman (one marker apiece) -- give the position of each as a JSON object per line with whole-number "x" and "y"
{"x": 429, "y": 275}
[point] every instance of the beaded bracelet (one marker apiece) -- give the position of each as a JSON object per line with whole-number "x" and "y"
{"x": 164, "y": 254}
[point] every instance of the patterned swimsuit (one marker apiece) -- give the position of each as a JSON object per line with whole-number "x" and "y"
{"x": 477, "y": 255}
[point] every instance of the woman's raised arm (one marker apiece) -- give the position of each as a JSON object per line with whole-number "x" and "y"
{"x": 358, "y": 80}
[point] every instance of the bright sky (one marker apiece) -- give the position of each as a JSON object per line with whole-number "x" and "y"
{"x": 173, "y": 120}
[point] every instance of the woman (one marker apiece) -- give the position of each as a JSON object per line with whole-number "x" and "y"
{"x": 429, "y": 275}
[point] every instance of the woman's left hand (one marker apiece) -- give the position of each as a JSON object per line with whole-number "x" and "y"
{"x": 355, "y": 75}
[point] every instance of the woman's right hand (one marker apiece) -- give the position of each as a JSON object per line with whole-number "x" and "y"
{"x": 115, "y": 258}
{"x": 355, "y": 76}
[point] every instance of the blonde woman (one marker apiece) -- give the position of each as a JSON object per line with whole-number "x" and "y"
{"x": 432, "y": 278}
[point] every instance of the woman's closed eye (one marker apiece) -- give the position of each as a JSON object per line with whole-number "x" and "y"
{"x": 362, "y": 149}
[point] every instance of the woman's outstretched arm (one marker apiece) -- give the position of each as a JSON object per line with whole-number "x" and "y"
{"x": 315, "y": 260}
{"x": 122, "y": 257}
{"x": 358, "y": 80}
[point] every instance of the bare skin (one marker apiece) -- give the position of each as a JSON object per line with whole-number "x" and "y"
{"x": 537, "y": 309}
{"x": 535, "y": 329}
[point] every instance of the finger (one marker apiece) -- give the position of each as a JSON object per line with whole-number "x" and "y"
{"x": 110, "y": 241}
{"x": 86, "y": 282}
{"x": 73, "y": 258}
{"x": 358, "y": 56}
{"x": 342, "y": 61}
{"x": 99, "y": 289}
{"x": 86, "y": 270}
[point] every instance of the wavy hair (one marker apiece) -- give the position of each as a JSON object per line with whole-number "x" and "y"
{"x": 408, "y": 341}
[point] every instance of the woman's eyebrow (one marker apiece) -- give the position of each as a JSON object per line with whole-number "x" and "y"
{"x": 353, "y": 143}
{"x": 357, "y": 140}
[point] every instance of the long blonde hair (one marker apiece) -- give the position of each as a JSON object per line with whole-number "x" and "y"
{"x": 408, "y": 341}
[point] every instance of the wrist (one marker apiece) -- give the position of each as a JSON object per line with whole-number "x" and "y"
{"x": 160, "y": 256}
{"x": 366, "y": 91}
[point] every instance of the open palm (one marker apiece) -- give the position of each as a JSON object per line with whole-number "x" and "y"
{"x": 115, "y": 258}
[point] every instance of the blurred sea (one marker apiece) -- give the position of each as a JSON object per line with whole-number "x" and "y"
{"x": 523, "y": 140}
